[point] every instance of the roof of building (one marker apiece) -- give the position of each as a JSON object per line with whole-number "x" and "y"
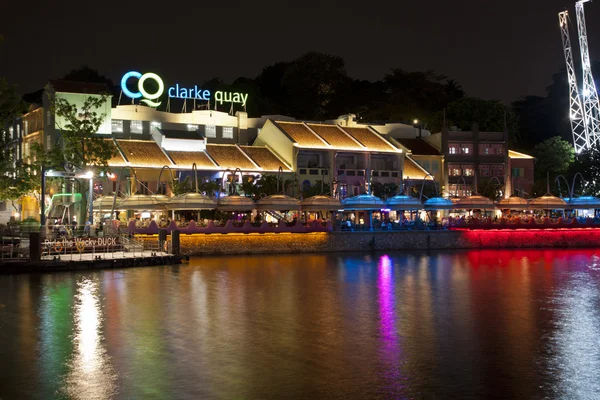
{"x": 79, "y": 87}
{"x": 143, "y": 153}
{"x": 229, "y": 156}
{"x": 117, "y": 160}
{"x": 369, "y": 139}
{"x": 412, "y": 170}
{"x": 335, "y": 136}
{"x": 178, "y": 134}
{"x": 300, "y": 134}
{"x": 515, "y": 154}
{"x": 265, "y": 158}
{"x": 185, "y": 159}
{"x": 419, "y": 147}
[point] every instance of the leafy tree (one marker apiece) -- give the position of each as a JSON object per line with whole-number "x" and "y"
{"x": 554, "y": 156}
{"x": 489, "y": 188}
{"x": 384, "y": 190}
{"x": 587, "y": 164}
{"x": 488, "y": 114}
{"x": 11, "y": 104}
{"x": 81, "y": 146}
{"x": 267, "y": 185}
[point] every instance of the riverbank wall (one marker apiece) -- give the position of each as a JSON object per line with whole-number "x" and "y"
{"x": 230, "y": 244}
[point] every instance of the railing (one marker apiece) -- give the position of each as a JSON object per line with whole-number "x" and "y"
{"x": 313, "y": 171}
{"x": 14, "y": 247}
{"x": 350, "y": 172}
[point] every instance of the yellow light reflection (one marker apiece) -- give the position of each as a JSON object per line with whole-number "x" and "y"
{"x": 91, "y": 375}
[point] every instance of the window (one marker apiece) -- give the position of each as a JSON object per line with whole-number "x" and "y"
{"x": 116, "y": 126}
{"x": 227, "y": 132}
{"x": 466, "y": 149}
{"x": 155, "y": 126}
{"x": 453, "y": 149}
{"x": 210, "y": 131}
{"x": 498, "y": 170}
{"x": 484, "y": 149}
{"x": 435, "y": 166}
{"x": 425, "y": 165}
{"x": 192, "y": 128}
{"x": 25, "y": 127}
{"x": 467, "y": 170}
{"x": 484, "y": 170}
{"x": 10, "y": 132}
{"x": 518, "y": 172}
{"x": 48, "y": 142}
{"x": 48, "y": 118}
{"x": 143, "y": 187}
{"x": 136, "y": 127}
{"x": 454, "y": 170}
{"x": 26, "y": 150}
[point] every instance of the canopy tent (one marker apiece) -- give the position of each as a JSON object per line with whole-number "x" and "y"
{"x": 191, "y": 201}
{"x": 278, "y": 202}
{"x": 402, "y": 202}
{"x": 320, "y": 203}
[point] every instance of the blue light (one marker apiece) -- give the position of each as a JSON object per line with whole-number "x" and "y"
{"x": 128, "y": 93}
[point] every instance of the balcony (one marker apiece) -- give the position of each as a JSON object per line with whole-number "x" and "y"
{"x": 313, "y": 171}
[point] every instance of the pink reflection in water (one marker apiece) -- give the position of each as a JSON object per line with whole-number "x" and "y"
{"x": 390, "y": 345}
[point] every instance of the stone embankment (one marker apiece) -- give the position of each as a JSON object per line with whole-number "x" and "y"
{"x": 214, "y": 244}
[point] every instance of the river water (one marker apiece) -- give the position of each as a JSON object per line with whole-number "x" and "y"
{"x": 477, "y": 324}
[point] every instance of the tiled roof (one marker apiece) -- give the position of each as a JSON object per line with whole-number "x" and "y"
{"x": 369, "y": 139}
{"x": 264, "y": 158}
{"x": 412, "y": 170}
{"x": 419, "y": 147}
{"x": 301, "y": 134}
{"x": 143, "y": 153}
{"x": 185, "y": 159}
{"x": 228, "y": 156}
{"x": 335, "y": 136}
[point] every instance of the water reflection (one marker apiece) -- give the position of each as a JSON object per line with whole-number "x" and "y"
{"x": 390, "y": 343}
{"x": 495, "y": 324}
{"x": 91, "y": 375}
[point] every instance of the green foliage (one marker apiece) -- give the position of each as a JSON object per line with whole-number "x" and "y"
{"x": 384, "y": 190}
{"x": 554, "y": 156}
{"x": 587, "y": 164}
{"x": 267, "y": 185}
{"x": 316, "y": 189}
{"x": 11, "y": 104}
{"x": 488, "y": 114}
{"x": 81, "y": 145}
{"x": 489, "y": 188}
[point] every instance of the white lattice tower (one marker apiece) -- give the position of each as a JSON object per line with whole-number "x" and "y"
{"x": 591, "y": 105}
{"x": 578, "y": 125}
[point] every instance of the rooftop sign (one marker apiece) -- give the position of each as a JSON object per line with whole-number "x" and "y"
{"x": 176, "y": 91}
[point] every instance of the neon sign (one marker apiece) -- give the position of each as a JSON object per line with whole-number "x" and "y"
{"x": 176, "y": 91}
{"x": 148, "y": 97}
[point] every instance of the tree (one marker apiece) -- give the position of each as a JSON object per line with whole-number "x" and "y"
{"x": 267, "y": 185}
{"x": 554, "y": 156}
{"x": 587, "y": 164}
{"x": 489, "y": 188}
{"x": 488, "y": 114}
{"x": 81, "y": 146}
{"x": 11, "y": 104}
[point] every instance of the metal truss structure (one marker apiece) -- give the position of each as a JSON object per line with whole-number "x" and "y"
{"x": 591, "y": 105}
{"x": 578, "y": 123}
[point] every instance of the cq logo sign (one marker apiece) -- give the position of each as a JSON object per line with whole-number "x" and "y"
{"x": 148, "y": 97}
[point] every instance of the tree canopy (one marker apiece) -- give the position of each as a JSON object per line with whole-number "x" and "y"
{"x": 554, "y": 156}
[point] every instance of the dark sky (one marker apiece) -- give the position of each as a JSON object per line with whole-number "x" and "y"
{"x": 495, "y": 49}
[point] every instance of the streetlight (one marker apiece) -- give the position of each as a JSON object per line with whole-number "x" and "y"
{"x": 417, "y": 125}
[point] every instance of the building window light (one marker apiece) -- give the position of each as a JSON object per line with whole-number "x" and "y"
{"x": 116, "y": 126}
{"x": 136, "y": 127}
{"x": 227, "y": 132}
{"x": 210, "y": 131}
{"x": 192, "y": 127}
{"x": 155, "y": 126}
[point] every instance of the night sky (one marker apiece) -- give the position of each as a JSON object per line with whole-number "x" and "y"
{"x": 495, "y": 49}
